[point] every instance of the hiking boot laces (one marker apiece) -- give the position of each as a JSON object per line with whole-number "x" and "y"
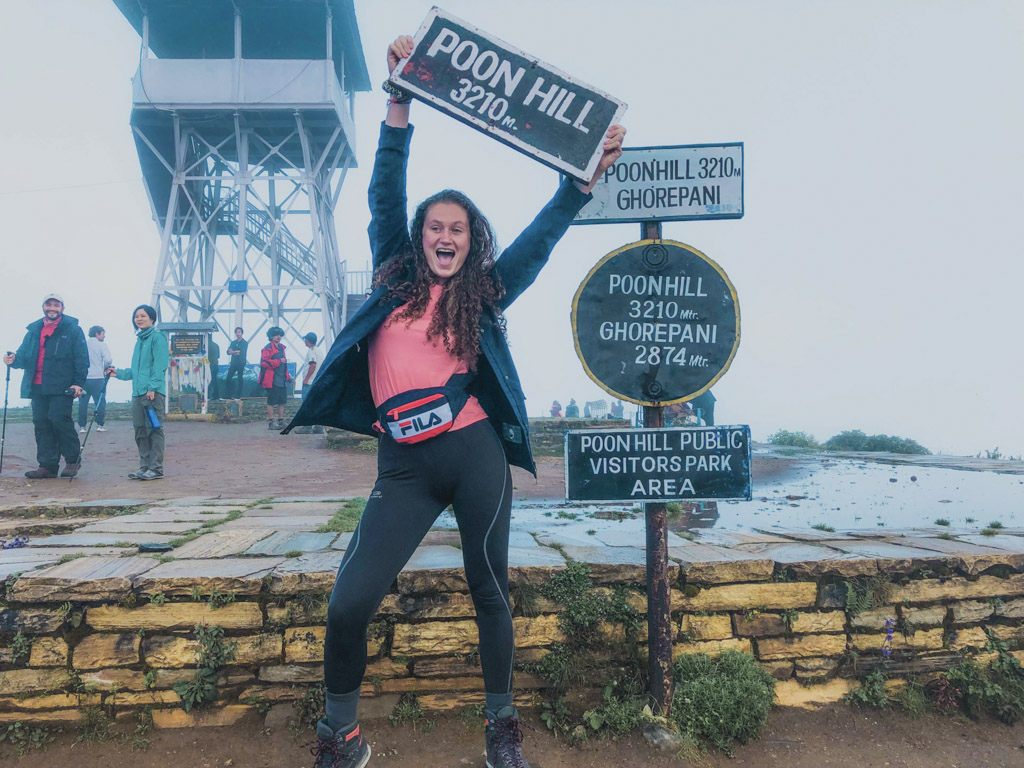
{"x": 325, "y": 751}
{"x": 507, "y": 738}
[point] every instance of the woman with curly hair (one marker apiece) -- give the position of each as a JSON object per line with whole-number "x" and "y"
{"x": 424, "y": 363}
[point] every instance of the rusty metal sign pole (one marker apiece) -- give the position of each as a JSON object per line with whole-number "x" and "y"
{"x": 659, "y": 616}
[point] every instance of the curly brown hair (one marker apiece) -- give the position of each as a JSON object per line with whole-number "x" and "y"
{"x": 475, "y": 288}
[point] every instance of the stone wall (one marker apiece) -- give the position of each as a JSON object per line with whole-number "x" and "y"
{"x": 122, "y": 642}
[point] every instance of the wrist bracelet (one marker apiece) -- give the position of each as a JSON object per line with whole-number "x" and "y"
{"x": 398, "y": 95}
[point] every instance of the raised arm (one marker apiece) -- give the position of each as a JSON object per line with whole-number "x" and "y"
{"x": 389, "y": 224}
{"x": 522, "y": 261}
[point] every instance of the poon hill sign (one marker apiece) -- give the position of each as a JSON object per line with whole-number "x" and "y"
{"x": 508, "y": 94}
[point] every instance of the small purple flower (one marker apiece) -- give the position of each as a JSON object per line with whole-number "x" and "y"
{"x": 890, "y": 627}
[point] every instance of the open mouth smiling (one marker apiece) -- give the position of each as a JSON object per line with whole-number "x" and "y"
{"x": 445, "y": 256}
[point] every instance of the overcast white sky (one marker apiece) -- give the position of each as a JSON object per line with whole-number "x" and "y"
{"x": 878, "y": 266}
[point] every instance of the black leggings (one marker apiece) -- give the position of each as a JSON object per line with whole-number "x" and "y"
{"x": 415, "y": 483}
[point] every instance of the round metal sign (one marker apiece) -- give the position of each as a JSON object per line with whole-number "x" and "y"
{"x": 656, "y": 322}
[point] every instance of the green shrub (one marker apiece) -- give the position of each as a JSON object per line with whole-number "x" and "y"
{"x": 795, "y": 439}
{"x": 855, "y": 440}
{"x": 872, "y": 693}
{"x": 996, "y": 690}
{"x": 346, "y": 519}
{"x": 621, "y": 710}
{"x": 723, "y": 700}
{"x": 24, "y": 737}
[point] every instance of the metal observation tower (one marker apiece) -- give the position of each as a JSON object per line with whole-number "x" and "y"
{"x": 243, "y": 126}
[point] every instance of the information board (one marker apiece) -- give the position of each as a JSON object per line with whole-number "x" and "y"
{"x": 656, "y": 322}
{"x": 512, "y": 96}
{"x": 679, "y": 183}
{"x": 657, "y": 465}
{"x": 186, "y": 344}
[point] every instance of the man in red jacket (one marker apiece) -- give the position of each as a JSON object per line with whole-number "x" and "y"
{"x": 274, "y": 376}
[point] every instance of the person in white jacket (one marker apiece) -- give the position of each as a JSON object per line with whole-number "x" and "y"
{"x": 99, "y": 361}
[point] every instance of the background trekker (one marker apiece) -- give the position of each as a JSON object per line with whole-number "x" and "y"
{"x": 556, "y": 409}
{"x": 314, "y": 358}
{"x": 99, "y": 361}
{"x": 56, "y": 362}
{"x": 274, "y": 376}
{"x": 213, "y": 356}
{"x": 149, "y": 392}
{"x": 237, "y": 351}
{"x": 572, "y": 411}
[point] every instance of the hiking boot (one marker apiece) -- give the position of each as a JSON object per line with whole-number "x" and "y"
{"x": 136, "y": 475}
{"x": 149, "y": 474}
{"x": 81, "y": 430}
{"x": 70, "y": 470}
{"x": 41, "y": 473}
{"x": 272, "y": 424}
{"x": 280, "y": 424}
{"x": 101, "y": 429}
{"x": 503, "y": 739}
{"x": 339, "y": 750}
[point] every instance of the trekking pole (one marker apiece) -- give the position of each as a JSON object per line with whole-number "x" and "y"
{"x": 95, "y": 410}
{"x": 3, "y": 434}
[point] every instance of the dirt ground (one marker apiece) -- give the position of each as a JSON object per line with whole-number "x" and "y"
{"x": 838, "y": 736}
{"x": 233, "y": 461}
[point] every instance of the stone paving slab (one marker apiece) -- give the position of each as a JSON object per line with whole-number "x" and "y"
{"x": 813, "y": 560}
{"x": 28, "y": 523}
{"x": 100, "y": 539}
{"x": 337, "y": 500}
{"x": 598, "y": 555}
{"x": 280, "y": 509}
{"x": 56, "y": 553}
{"x": 185, "y": 514}
{"x": 342, "y": 541}
{"x": 20, "y": 566}
{"x": 805, "y": 534}
{"x": 297, "y": 523}
{"x": 558, "y": 540}
{"x": 188, "y": 501}
{"x": 954, "y": 546}
{"x": 521, "y": 538}
{"x": 736, "y": 538}
{"x": 883, "y": 550}
{"x": 434, "y": 557}
{"x": 310, "y": 572}
{"x": 531, "y": 557}
{"x": 87, "y": 579}
{"x": 104, "y": 504}
{"x": 243, "y": 576}
{"x": 221, "y": 543}
{"x": 1001, "y": 541}
{"x": 117, "y": 525}
{"x": 283, "y": 542}
{"x": 974, "y": 558}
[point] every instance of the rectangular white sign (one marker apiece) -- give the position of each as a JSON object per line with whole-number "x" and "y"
{"x": 695, "y": 181}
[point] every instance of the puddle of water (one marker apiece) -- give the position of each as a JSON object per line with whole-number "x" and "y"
{"x": 844, "y": 494}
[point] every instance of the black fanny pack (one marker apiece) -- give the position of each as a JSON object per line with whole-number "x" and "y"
{"x": 420, "y": 414}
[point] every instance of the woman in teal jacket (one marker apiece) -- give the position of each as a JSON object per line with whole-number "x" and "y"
{"x": 149, "y": 368}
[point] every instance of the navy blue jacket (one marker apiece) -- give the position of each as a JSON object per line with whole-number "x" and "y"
{"x": 341, "y": 397}
{"x": 65, "y": 362}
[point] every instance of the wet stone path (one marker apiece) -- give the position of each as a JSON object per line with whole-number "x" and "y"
{"x": 88, "y": 549}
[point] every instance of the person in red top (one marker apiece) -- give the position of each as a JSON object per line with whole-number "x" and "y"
{"x": 274, "y": 376}
{"x": 56, "y": 362}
